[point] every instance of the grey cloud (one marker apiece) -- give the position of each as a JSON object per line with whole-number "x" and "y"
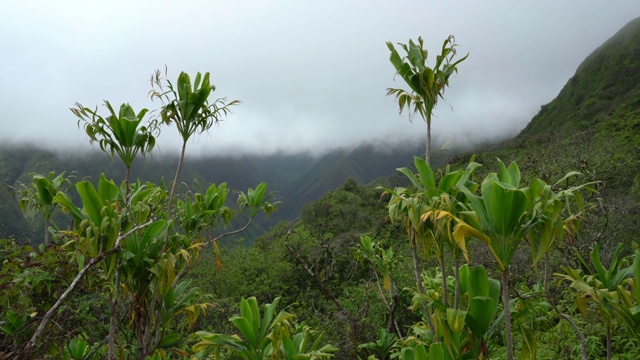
{"x": 312, "y": 75}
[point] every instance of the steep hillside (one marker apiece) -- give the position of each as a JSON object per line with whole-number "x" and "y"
{"x": 592, "y": 126}
{"x": 363, "y": 164}
{"x": 606, "y": 80}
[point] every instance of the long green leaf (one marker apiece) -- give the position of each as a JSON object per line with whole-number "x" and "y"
{"x": 43, "y": 185}
{"x": 91, "y": 201}
{"x": 426, "y": 175}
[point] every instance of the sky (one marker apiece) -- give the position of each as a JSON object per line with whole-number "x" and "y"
{"x": 311, "y": 75}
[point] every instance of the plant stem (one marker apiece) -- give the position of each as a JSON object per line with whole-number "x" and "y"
{"x": 583, "y": 340}
{"x": 113, "y": 324}
{"x": 456, "y": 301}
{"x": 46, "y": 232}
{"x": 445, "y": 288}
{"x": 174, "y": 185}
{"x": 507, "y": 313}
{"x": 113, "y": 320}
{"x": 608, "y": 342}
{"x": 428, "y": 151}
{"x": 153, "y": 312}
{"x": 416, "y": 271}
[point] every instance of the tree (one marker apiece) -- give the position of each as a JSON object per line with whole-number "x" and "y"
{"x": 427, "y": 84}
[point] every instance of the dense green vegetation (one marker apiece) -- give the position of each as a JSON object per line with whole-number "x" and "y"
{"x": 534, "y": 256}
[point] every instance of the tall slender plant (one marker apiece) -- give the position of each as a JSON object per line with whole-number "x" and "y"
{"x": 426, "y": 84}
{"x": 187, "y": 106}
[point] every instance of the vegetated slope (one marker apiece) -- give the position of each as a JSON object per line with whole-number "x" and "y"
{"x": 600, "y": 138}
{"x": 296, "y": 178}
{"x": 605, "y": 81}
{"x": 363, "y": 164}
{"x": 592, "y": 126}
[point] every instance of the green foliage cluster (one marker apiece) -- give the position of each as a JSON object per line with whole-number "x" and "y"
{"x": 131, "y": 242}
{"x": 310, "y": 264}
{"x": 31, "y": 280}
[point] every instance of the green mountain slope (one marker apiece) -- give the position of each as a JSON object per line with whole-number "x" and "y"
{"x": 605, "y": 81}
{"x": 363, "y": 164}
{"x": 296, "y": 178}
{"x": 592, "y": 126}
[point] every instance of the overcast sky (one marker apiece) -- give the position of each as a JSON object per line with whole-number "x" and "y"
{"x": 312, "y": 75}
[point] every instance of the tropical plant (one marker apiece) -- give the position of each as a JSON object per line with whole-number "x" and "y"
{"x": 383, "y": 264}
{"x": 121, "y": 133}
{"x": 39, "y": 195}
{"x": 383, "y": 347}
{"x": 608, "y": 290}
{"x": 505, "y": 215}
{"x": 77, "y": 349}
{"x": 465, "y": 330}
{"x": 129, "y": 229}
{"x": 427, "y": 84}
{"x": 405, "y": 207}
{"x": 481, "y": 295}
{"x": 502, "y": 215}
{"x": 187, "y": 105}
{"x": 421, "y": 209}
{"x": 266, "y": 337}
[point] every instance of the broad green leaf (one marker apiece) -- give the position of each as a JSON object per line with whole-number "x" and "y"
{"x": 436, "y": 352}
{"x": 414, "y": 180}
{"x": 43, "y": 185}
{"x": 107, "y": 189}
{"x": 91, "y": 201}
{"x": 209, "y": 339}
{"x": 426, "y": 175}
{"x": 455, "y": 319}
{"x": 478, "y": 282}
{"x": 65, "y": 201}
{"x": 244, "y": 326}
{"x": 168, "y": 340}
{"x": 507, "y": 208}
{"x": 480, "y": 314}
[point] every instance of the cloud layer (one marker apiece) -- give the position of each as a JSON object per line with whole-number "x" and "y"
{"x": 311, "y": 75}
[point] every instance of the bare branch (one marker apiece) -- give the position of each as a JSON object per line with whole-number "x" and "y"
{"x": 45, "y": 319}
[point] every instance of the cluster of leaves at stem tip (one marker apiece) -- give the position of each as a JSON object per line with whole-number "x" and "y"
{"x": 188, "y": 105}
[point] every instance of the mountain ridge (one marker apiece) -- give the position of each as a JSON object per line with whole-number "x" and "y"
{"x": 296, "y": 179}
